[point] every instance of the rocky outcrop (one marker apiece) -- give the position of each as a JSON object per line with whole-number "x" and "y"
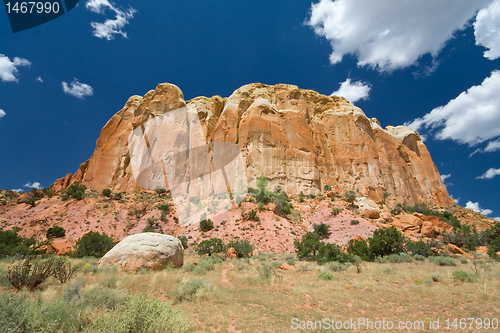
{"x": 145, "y": 250}
{"x": 297, "y": 139}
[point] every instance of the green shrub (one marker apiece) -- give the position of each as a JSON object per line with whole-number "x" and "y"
{"x": 55, "y": 232}
{"x": 337, "y": 267}
{"x": 301, "y": 196}
{"x": 12, "y": 244}
{"x": 326, "y": 275}
{"x": 444, "y": 261}
{"x": 106, "y": 192}
{"x": 308, "y": 246}
{"x": 184, "y": 241}
{"x": 464, "y": 276}
{"x": 160, "y": 190}
{"x": 463, "y": 261}
{"x": 354, "y": 222}
{"x": 332, "y": 252}
{"x": 148, "y": 228}
{"x": 327, "y": 187}
{"x": 385, "y": 242}
{"x": 74, "y": 191}
{"x": 141, "y": 314}
{"x": 107, "y": 298}
{"x": 419, "y": 248}
{"x": 243, "y": 248}
{"x": 282, "y": 206}
{"x": 210, "y": 246}
{"x": 419, "y": 257}
{"x": 191, "y": 290}
{"x": 322, "y": 230}
{"x": 118, "y": 196}
{"x": 265, "y": 272}
{"x": 350, "y": 196}
{"x": 93, "y": 244}
{"x": 359, "y": 248}
{"x": 165, "y": 208}
{"x": 206, "y": 225}
{"x": 253, "y": 215}
{"x": 336, "y": 211}
{"x": 399, "y": 258}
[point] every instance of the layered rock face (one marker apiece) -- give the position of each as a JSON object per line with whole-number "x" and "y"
{"x": 297, "y": 139}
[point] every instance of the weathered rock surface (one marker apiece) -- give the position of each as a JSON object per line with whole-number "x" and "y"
{"x": 371, "y": 214}
{"x": 406, "y": 222}
{"x": 148, "y": 250}
{"x": 296, "y": 138}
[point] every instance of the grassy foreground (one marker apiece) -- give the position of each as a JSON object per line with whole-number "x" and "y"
{"x": 254, "y": 295}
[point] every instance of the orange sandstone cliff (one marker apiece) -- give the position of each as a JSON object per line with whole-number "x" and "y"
{"x": 296, "y": 138}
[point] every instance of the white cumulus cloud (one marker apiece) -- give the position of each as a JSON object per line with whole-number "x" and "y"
{"x": 77, "y": 89}
{"x": 354, "y": 91}
{"x": 2, "y": 113}
{"x": 110, "y": 27}
{"x": 34, "y": 185}
{"x": 472, "y": 117}
{"x": 8, "y": 68}
{"x": 388, "y": 34}
{"x": 475, "y": 207}
{"x": 487, "y": 30}
{"x": 444, "y": 177}
{"x": 39, "y": 79}
{"x": 490, "y": 174}
{"x": 497, "y": 218}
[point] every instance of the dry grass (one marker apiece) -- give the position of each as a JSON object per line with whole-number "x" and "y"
{"x": 243, "y": 297}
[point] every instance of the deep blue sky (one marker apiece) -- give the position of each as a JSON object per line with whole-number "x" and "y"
{"x": 211, "y": 48}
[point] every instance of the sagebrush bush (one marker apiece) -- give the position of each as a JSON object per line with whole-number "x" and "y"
{"x": 141, "y": 314}
{"x": 387, "y": 270}
{"x": 325, "y": 274}
{"x": 265, "y": 272}
{"x": 463, "y": 276}
{"x": 444, "y": 261}
{"x": 93, "y": 244}
{"x": 437, "y": 277}
{"x": 191, "y": 290}
{"x": 108, "y": 298}
{"x": 337, "y": 267}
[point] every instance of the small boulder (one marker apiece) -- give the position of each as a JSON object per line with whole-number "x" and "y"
{"x": 149, "y": 250}
{"x": 286, "y": 267}
{"x": 427, "y": 230}
{"x": 231, "y": 253}
{"x": 407, "y": 222}
{"x": 387, "y": 217}
{"x": 371, "y": 214}
{"x": 59, "y": 247}
{"x": 439, "y": 225}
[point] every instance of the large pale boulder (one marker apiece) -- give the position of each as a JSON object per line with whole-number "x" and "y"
{"x": 148, "y": 250}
